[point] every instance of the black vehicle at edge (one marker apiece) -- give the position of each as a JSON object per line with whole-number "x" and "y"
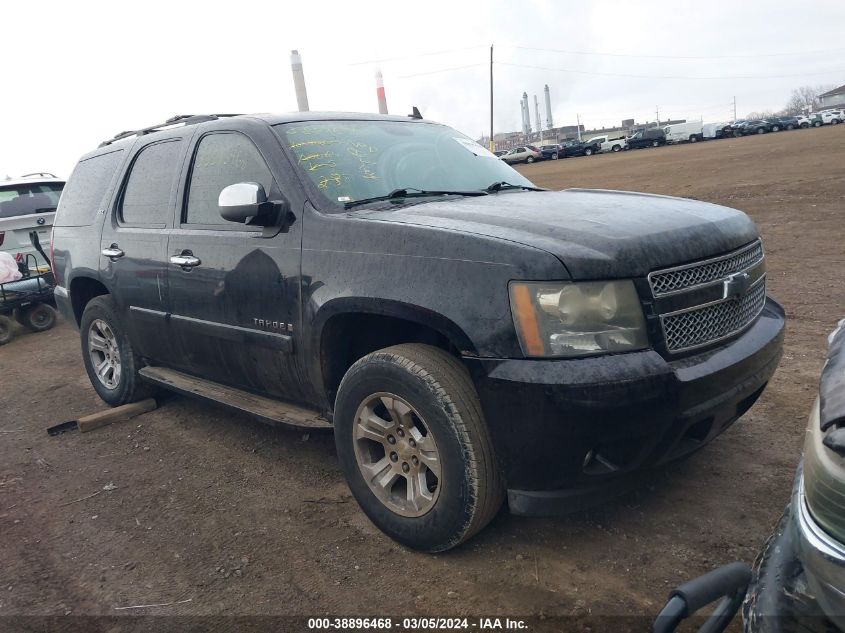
{"x": 578, "y": 148}
{"x": 470, "y": 337}
{"x": 653, "y": 137}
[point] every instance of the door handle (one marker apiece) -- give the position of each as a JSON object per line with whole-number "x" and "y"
{"x": 186, "y": 260}
{"x": 113, "y": 252}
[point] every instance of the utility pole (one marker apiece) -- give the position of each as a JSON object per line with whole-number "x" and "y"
{"x": 578, "y": 121}
{"x": 657, "y": 114}
{"x": 734, "y": 109}
{"x": 492, "y": 147}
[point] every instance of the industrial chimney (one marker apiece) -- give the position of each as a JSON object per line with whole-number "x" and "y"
{"x": 549, "y": 123}
{"x": 382, "y": 100}
{"x": 526, "y": 115}
{"x": 299, "y": 81}
{"x": 537, "y": 113}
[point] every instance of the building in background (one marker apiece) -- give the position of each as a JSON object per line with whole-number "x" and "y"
{"x": 832, "y": 99}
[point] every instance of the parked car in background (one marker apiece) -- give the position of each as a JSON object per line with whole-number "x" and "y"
{"x": 503, "y": 342}
{"x": 500, "y": 153}
{"x": 550, "y": 152}
{"x": 572, "y": 147}
{"x": 810, "y": 120}
{"x": 27, "y": 204}
{"x": 652, "y": 137}
{"x": 607, "y": 144}
{"x": 831, "y": 117}
{"x": 715, "y": 130}
{"x": 756, "y": 126}
{"x": 782, "y": 123}
{"x": 522, "y": 154}
{"x": 689, "y": 131}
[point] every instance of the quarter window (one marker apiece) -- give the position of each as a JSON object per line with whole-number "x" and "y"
{"x": 146, "y": 198}
{"x": 221, "y": 160}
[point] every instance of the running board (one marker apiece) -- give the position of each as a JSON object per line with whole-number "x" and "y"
{"x": 265, "y": 409}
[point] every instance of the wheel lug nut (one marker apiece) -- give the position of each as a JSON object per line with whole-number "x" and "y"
{"x": 405, "y": 467}
{"x": 412, "y": 443}
{"x": 391, "y": 439}
{"x": 415, "y": 461}
{"x": 400, "y": 432}
{"x": 394, "y": 457}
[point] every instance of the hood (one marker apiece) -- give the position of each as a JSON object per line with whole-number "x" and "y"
{"x": 596, "y": 234}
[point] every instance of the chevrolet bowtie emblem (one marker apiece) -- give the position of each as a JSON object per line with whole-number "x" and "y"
{"x": 736, "y": 285}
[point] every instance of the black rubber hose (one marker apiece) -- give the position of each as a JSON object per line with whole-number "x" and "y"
{"x": 725, "y": 581}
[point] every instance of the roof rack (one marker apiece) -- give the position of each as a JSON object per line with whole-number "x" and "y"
{"x": 179, "y": 119}
{"x": 40, "y": 174}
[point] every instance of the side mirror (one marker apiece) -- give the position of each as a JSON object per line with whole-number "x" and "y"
{"x": 246, "y": 202}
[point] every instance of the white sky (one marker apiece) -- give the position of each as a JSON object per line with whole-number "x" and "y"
{"x": 77, "y": 72}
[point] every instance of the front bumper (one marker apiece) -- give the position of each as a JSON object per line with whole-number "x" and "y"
{"x": 566, "y": 431}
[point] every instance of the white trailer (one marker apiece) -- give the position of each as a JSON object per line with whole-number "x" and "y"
{"x": 681, "y": 132}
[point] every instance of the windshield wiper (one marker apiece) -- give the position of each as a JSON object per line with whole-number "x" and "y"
{"x": 501, "y": 186}
{"x": 411, "y": 192}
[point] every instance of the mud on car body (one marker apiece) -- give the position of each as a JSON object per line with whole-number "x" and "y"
{"x": 470, "y": 337}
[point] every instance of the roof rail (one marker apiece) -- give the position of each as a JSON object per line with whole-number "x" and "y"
{"x": 40, "y": 174}
{"x": 179, "y": 119}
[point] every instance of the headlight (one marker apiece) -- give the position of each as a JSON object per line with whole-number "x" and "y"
{"x": 577, "y": 319}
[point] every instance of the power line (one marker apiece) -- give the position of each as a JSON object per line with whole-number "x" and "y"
{"x": 700, "y": 57}
{"x": 695, "y": 77}
{"x": 441, "y": 70}
{"x": 404, "y": 57}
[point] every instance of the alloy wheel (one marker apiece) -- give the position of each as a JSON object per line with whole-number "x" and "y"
{"x": 104, "y": 353}
{"x": 397, "y": 455}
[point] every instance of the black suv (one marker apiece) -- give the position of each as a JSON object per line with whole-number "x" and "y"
{"x": 578, "y": 148}
{"x": 469, "y": 337}
{"x": 653, "y": 137}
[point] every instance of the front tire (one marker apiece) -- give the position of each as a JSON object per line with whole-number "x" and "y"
{"x": 817, "y": 123}
{"x": 6, "y": 331}
{"x": 655, "y": 143}
{"x": 107, "y": 354}
{"x": 414, "y": 447}
{"x": 835, "y": 122}
{"x": 38, "y": 317}
{"x": 617, "y": 148}
{"x": 554, "y": 156}
{"x": 588, "y": 152}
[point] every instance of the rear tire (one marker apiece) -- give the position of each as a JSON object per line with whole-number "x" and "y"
{"x": 790, "y": 127}
{"x": 529, "y": 160}
{"x": 417, "y": 391}
{"x": 104, "y": 341}
{"x": 6, "y": 331}
{"x": 554, "y": 156}
{"x": 817, "y": 123}
{"x": 617, "y": 148}
{"x": 835, "y": 122}
{"x": 775, "y": 128}
{"x": 693, "y": 139}
{"x": 38, "y": 317}
{"x": 588, "y": 152}
{"x": 655, "y": 143}
{"x": 760, "y": 130}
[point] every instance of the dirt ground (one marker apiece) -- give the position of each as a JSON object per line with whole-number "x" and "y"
{"x": 225, "y": 516}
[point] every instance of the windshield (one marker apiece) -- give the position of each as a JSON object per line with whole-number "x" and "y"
{"x": 356, "y": 160}
{"x": 25, "y": 199}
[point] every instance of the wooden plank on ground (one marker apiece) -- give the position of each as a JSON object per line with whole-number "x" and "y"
{"x": 118, "y": 414}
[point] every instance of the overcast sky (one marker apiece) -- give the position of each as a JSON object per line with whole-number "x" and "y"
{"x": 79, "y": 72}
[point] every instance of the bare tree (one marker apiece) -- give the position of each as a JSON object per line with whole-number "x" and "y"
{"x": 764, "y": 114}
{"x": 805, "y": 98}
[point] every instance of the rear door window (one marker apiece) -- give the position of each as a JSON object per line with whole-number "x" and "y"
{"x": 84, "y": 192}
{"x": 25, "y": 199}
{"x": 146, "y": 199}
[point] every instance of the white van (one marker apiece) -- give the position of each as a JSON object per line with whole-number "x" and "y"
{"x": 680, "y": 132}
{"x": 714, "y": 130}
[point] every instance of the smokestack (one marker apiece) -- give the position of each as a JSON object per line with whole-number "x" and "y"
{"x": 537, "y": 115}
{"x": 299, "y": 81}
{"x": 526, "y": 113}
{"x": 549, "y": 123}
{"x": 382, "y": 100}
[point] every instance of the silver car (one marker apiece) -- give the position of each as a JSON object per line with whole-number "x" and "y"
{"x": 523, "y": 154}
{"x": 27, "y": 204}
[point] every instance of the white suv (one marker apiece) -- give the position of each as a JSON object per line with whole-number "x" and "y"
{"x": 28, "y": 204}
{"x": 834, "y": 117}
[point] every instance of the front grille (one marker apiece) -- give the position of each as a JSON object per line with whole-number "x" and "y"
{"x": 665, "y": 282}
{"x": 712, "y": 322}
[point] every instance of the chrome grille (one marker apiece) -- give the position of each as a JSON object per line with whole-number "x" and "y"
{"x": 665, "y": 282}
{"x": 709, "y": 323}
